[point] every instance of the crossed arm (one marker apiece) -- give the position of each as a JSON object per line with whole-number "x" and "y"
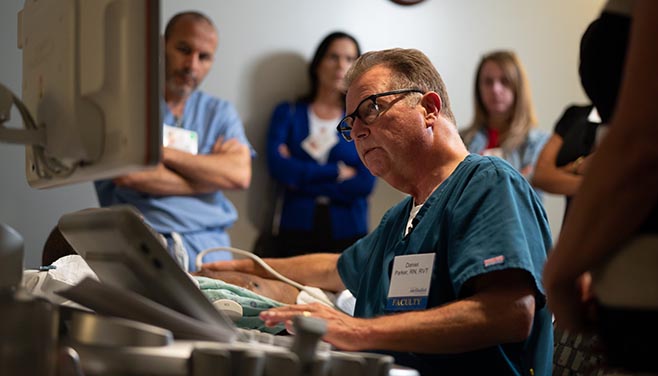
{"x": 228, "y": 166}
{"x": 499, "y": 308}
{"x": 551, "y": 178}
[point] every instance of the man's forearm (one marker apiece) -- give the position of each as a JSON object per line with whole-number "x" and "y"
{"x": 158, "y": 181}
{"x": 318, "y": 270}
{"x": 224, "y": 170}
{"x": 474, "y": 323}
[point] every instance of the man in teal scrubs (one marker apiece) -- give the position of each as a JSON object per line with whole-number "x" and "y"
{"x": 449, "y": 282}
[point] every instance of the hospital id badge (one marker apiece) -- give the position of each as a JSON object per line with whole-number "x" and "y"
{"x": 181, "y": 139}
{"x": 410, "y": 282}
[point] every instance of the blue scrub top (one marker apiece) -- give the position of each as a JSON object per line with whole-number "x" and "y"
{"x": 201, "y": 219}
{"x": 484, "y": 217}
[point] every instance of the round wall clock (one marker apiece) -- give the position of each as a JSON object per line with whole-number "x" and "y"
{"x": 407, "y": 2}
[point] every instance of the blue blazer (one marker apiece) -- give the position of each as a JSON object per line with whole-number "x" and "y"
{"x": 305, "y": 179}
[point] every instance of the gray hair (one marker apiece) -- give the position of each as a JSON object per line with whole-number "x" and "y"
{"x": 411, "y": 69}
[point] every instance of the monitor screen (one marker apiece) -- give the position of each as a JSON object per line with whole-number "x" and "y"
{"x": 92, "y": 83}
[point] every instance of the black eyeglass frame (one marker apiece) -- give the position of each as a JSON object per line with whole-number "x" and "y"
{"x": 345, "y": 130}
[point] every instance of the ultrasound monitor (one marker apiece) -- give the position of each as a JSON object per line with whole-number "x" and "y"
{"x": 91, "y": 97}
{"x": 91, "y": 89}
{"x": 127, "y": 254}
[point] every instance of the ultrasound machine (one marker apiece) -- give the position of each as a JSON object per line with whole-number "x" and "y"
{"x": 90, "y": 104}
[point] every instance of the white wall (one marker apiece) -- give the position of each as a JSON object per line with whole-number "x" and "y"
{"x": 261, "y": 61}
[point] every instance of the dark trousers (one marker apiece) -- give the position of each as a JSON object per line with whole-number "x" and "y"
{"x": 318, "y": 240}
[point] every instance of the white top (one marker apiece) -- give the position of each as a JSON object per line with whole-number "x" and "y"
{"x": 414, "y": 211}
{"x": 593, "y": 116}
{"x": 322, "y": 137}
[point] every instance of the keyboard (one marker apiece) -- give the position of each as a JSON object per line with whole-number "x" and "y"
{"x": 576, "y": 354}
{"x": 100, "y": 345}
{"x": 141, "y": 283}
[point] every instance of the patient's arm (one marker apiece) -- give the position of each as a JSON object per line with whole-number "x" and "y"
{"x": 270, "y": 288}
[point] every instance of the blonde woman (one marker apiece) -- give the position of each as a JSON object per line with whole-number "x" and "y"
{"x": 504, "y": 123}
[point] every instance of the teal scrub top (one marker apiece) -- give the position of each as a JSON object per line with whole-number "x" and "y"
{"x": 484, "y": 217}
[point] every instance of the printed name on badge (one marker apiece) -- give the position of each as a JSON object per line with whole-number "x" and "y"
{"x": 410, "y": 282}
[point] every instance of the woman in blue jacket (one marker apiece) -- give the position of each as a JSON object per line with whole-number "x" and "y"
{"x": 326, "y": 187}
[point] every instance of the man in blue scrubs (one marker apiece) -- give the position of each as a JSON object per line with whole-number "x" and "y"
{"x": 449, "y": 282}
{"x": 205, "y": 151}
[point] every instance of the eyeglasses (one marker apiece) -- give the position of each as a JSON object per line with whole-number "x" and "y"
{"x": 367, "y": 111}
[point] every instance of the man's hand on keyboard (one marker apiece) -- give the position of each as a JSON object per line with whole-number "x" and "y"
{"x": 343, "y": 331}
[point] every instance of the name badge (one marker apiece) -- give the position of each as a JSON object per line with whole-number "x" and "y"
{"x": 181, "y": 139}
{"x": 318, "y": 144}
{"x": 410, "y": 282}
